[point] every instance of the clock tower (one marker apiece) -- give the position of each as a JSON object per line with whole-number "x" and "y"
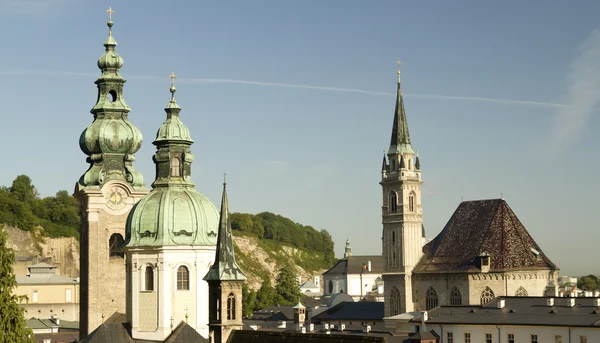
{"x": 107, "y": 191}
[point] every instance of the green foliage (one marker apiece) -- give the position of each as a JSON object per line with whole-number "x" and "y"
{"x": 286, "y": 286}
{"x": 266, "y": 295}
{"x": 21, "y": 206}
{"x": 12, "y": 320}
{"x": 588, "y": 283}
{"x": 248, "y": 301}
{"x": 276, "y": 228}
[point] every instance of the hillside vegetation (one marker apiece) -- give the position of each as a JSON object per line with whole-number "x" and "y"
{"x": 264, "y": 242}
{"x": 22, "y": 207}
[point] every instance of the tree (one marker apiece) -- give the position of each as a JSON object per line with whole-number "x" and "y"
{"x": 12, "y": 320}
{"x": 248, "y": 301}
{"x": 265, "y": 296}
{"x": 22, "y": 189}
{"x": 286, "y": 286}
{"x": 588, "y": 283}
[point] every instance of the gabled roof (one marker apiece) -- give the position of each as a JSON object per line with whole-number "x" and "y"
{"x": 120, "y": 333}
{"x": 483, "y": 227}
{"x": 353, "y": 265}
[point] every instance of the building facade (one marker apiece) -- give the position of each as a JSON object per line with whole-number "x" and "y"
{"x": 107, "y": 191}
{"x": 171, "y": 236}
{"x": 48, "y": 294}
{"x": 484, "y": 251}
{"x": 357, "y": 276}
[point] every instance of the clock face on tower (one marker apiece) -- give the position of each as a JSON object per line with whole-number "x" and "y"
{"x": 115, "y": 199}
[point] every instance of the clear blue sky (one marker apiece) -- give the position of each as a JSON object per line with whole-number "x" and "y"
{"x": 502, "y": 98}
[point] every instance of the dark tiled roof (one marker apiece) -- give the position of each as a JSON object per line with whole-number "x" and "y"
{"x": 478, "y": 227}
{"x": 353, "y": 265}
{"x": 423, "y": 335}
{"x": 67, "y": 337}
{"x": 249, "y": 336}
{"x": 529, "y": 311}
{"x": 120, "y": 333}
{"x": 365, "y": 311}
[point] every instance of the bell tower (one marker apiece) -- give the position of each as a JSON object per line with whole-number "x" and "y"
{"x": 225, "y": 280}
{"x": 402, "y": 216}
{"x": 106, "y": 192}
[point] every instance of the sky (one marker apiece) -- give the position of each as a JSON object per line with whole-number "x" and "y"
{"x": 294, "y": 100}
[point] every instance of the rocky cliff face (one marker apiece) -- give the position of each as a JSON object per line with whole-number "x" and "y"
{"x": 31, "y": 248}
{"x": 255, "y": 261}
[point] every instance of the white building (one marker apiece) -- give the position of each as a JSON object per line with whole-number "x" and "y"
{"x": 358, "y": 276}
{"x": 311, "y": 287}
{"x": 516, "y": 319}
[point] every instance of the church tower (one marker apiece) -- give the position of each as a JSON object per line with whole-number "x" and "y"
{"x": 106, "y": 192}
{"x": 171, "y": 238}
{"x": 402, "y": 216}
{"x": 225, "y": 280}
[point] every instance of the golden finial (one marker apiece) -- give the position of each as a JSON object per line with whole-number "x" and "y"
{"x": 186, "y": 315}
{"x": 398, "y": 63}
{"x": 173, "y": 89}
{"x": 110, "y": 12}
{"x": 102, "y": 318}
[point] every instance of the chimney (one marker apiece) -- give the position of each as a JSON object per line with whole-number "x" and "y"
{"x": 597, "y": 302}
{"x": 369, "y": 265}
{"x": 326, "y": 326}
{"x": 303, "y": 330}
{"x": 424, "y": 318}
{"x": 311, "y": 327}
{"x": 501, "y": 303}
{"x": 550, "y": 302}
{"x": 342, "y": 327}
{"x": 571, "y": 302}
{"x": 367, "y": 328}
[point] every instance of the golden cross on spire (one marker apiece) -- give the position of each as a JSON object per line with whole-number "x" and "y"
{"x": 110, "y": 12}
{"x": 224, "y": 178}
{"x": 398, "y": 63}
{"x": 172, "y": 77}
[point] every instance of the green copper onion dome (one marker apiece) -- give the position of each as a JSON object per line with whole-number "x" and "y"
{"x": 111, "y": 140}
{"x": 173, "y": 213}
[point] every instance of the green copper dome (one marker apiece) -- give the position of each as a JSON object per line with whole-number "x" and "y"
{"x": 170, "y": 216}
{"x": 173, "y": 213}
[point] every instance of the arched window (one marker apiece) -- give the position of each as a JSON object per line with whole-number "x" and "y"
{"x": 175, "y": 167}
{"x": 395, "y": 302}
{"x": 115, "y": 243}
{"x": 432, "y": 299}
{"x": 521, "y": 292}
{"x": 487, "y": 295}
{"x": 393, "y": 202}
{"x": 183, "y": 278}
{"x": 455, "y": 297}
{"x": 411, "y": 202}
{"x": 409, "y": 164}
{"x": 330, "y": 287}
{"x": 393, "y": 236}
{"x": 148, "y": 279}
{"x": 231, "y": 307}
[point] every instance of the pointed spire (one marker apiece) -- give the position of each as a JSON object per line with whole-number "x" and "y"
{"x": 225, "y": 267}
{"x": 384, "y": 164}
{"x": 400, "y": 140}
{"x": 417, "y": 162}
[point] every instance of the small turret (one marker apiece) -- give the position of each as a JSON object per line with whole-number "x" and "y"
{"x": 348, "y": 249}
{"x": 417, "y": 162}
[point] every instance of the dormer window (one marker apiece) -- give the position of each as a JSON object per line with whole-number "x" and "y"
{"x": 485, "y": 261}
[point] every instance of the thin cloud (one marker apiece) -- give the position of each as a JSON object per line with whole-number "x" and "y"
{"x": 297, "y": 86}
{"x": 583, "y": 94}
